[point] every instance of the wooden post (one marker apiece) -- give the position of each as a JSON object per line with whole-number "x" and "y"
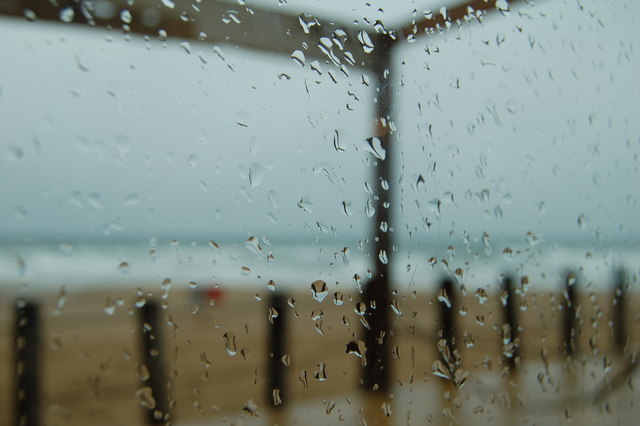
{"x": 152, "y": 357}
{"x": 569, "y": 328}
{"x": 377, "y": 297}
{"x": 618, "y": 316}
{"x": 276, "y": 390}
{"x": 27, "y": 364}
{"x": 447, "y": 299}
{"x": 445, "y": 365}
{"x": 511, "y": 348}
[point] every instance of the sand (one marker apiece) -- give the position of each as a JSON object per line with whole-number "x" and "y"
{"x": 92, "y": 364}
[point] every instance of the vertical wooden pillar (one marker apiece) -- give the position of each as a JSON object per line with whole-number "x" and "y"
{"x": 447, "y": 299}
{"x": 276, "y": 390}
{"x": 569, "y": 326}
{"x": 27, "y": 364}
{"x": 152, "y": 356}
{"x": 377, "y": 297}
{"x": 511, "y": 349}
{"x": 618, "y": 316}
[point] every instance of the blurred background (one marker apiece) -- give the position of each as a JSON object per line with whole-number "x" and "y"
{"x": 208, "y": 155}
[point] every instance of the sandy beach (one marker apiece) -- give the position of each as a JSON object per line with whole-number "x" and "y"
{"x": 91, "y": 356}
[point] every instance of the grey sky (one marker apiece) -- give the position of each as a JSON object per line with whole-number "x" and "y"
{"x": 101, "y": 134}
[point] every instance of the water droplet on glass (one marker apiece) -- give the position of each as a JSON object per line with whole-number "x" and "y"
{"x": 273, "y": 314}
{"x": 502, "y": 6}
{"x": 458, "y": 274}
{"x": 253, "y": 245}
{"x": 321, "y": 373}
{"x": 230, "y": 342}
{"x": 143, "y": 372}
{"x": 460, "y": 377}
{"x": 307, "y": 21}
{"x": 286, "y": 360}
{"x": 374, "y": 146}
{"x": 383, "y": 257}
{"x": 444, "y": 297}
{"x": 481, "y": 295}
{"x": 439, "y": 369}
{"x": 305, "y": 204}
{"x": 582, "y": 221}
{"x": 369, "y": 209}
{"x": 62, "y": 299}
{"x": 395, "y": 307}
{"x": 186, "y": 46}
{"x": 386, "y": 409}
{"x": 125, "y": 16}
{"x": 319, "y": 290}
{"x": 67, "y": 14}
{"x": 359, "y": 349}
{"x": 204, "y": 361}
{"x": 109, "y": 307}
{"x": 271, "y": 285}
{"x": 276, "y": 397}
{"x": 303, "y": 378}
{"x": 256, "y": 173}
{"x": 145, "y": 398}
{"x": 124, "y": 268}
{"x": 231, "y": 16}
{"x": 30, "y": 15}
{"x": 298, "y": 57}
{"x": 338, "y": 298}
{"x": 360, "y": 308}
{"x": 365, "y": 41}
{"x": 532, "y": 239}
{"x": 192, "y": 160}
{"x": 251, "y": 408}
{"x": 140, "y": 301}
{"x": 168, "y": 3}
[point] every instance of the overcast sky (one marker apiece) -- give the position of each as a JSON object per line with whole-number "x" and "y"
{"x": 525, "y": 123}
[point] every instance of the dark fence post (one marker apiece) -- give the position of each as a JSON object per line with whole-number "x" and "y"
{"x": 510, "y": 338}
{"x": 27, "y": 364}
{"x": 618, "y": 317}
{"x": 570, "y": 298}
{"x": 447, "y": 299}
{"x": 276, "y": 391}
{"x": 152, "y": 356}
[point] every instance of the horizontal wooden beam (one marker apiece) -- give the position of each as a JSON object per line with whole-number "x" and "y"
{"x": 255, "y": 28}
{"x": 303, "y": 37}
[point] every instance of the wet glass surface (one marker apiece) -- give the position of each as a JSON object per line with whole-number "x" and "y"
{"x": 319, "y": 213}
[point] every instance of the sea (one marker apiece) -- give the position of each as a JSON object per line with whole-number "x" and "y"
{"x": 256, "y": 262}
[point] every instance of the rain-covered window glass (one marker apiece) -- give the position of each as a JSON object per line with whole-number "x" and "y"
{"x": 293, "y": 212}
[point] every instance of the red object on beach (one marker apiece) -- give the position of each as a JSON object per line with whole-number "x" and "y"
{"x": 214, "y": 293}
